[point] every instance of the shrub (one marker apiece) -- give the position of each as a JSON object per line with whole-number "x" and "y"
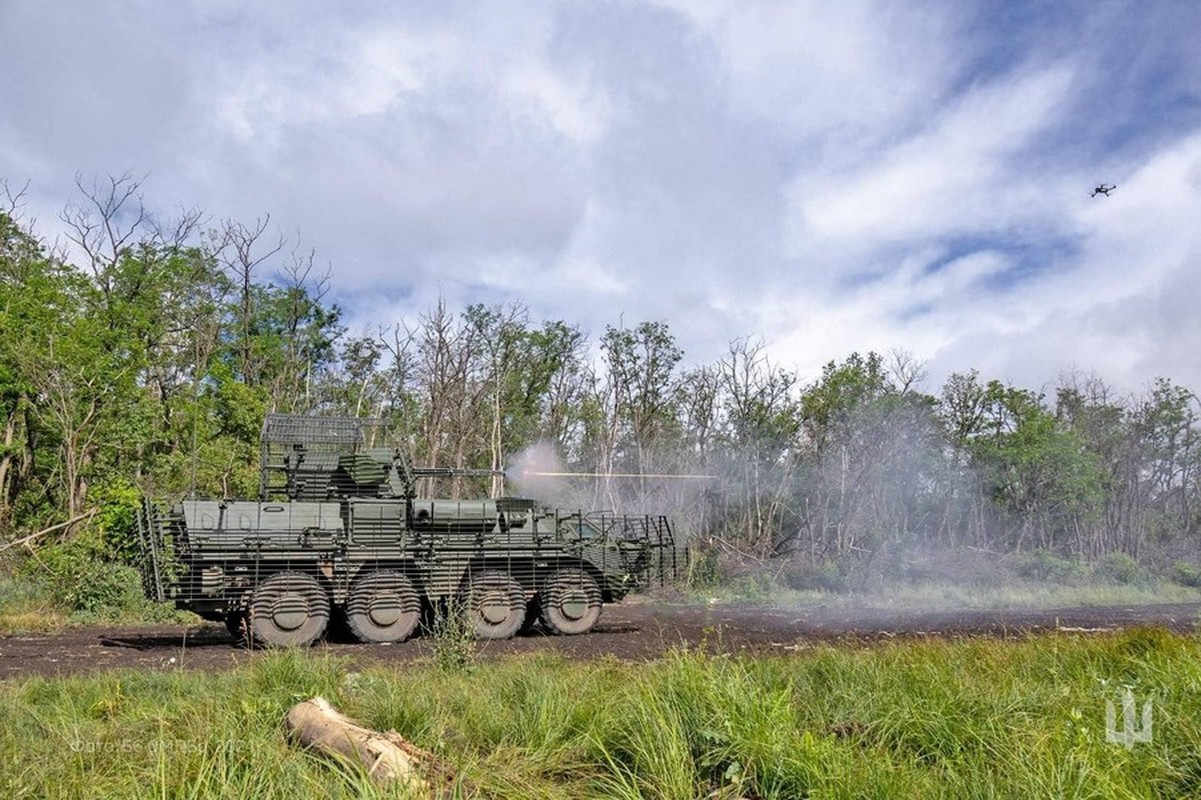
{"x": 117, "y": 503}
{"x": 1120, "y": 568}
{"x": 754, "y": 587}
{"x": 80, "y": 578}
{"x": 704, "y": 568}
{"x": 453, "y": 640}
{"x": 1044, "y": 565}
{"x": 824, "y": 576}
{"x": 1186, "y": 574}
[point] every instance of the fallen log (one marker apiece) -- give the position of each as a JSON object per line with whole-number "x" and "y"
{"x": 386, "y": 756}
{"x": 28, "y": 540}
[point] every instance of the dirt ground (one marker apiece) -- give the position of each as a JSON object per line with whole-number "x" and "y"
{"x": 631, "y": 631}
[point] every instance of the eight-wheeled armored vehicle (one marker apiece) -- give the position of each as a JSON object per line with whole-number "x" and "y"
{"x": 339, "y": 528}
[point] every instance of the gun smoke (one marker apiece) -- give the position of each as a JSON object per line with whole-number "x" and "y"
{"x": 885, "y": 502}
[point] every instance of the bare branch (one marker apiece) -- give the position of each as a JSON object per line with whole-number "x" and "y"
{"x": 242, "y": 246}
{"x": 12, "y": 201}
{"x": 104, "y": 226}
{"x": 906, "y": 370}
{"x": 28, "y": 540}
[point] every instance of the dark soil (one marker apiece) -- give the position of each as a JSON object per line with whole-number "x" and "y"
{"x": 633, "y": 631}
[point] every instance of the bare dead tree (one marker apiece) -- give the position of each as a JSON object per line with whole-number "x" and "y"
{"x": 245, "y": 248}
{"x": 906, "y": 371}
{"x": 109, "y": 218}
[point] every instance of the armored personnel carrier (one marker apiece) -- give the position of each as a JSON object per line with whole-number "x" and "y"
{"x": 339, "y": 527}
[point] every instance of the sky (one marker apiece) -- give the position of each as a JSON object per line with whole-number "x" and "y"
{"x": 822, "y": 177}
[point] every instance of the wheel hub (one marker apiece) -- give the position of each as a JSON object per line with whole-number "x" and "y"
{"x": 495, "y": 609}
{"x": 290, "y": 611}
{"x": 385, "y": 610}
{"x": 574, "y": 605}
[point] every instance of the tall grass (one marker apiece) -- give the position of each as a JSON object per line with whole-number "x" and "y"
{"x": 29, "y": 604}
{"x": 935, "y": 594}
{"x": 970, "y": 719}
{"x": 25, "y": 606}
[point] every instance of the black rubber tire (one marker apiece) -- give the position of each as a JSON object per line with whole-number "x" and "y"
{"x": 235, "y": 623}
{"x": 571, "y": 602}
{"x": 289, "y": 609}
{"x": 495, "y": 605}
{"x": 237, "y": 619}
{"x": 383, "y": 606}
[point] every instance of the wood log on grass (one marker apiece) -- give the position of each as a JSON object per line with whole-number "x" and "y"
{"x": 386, "y": 755}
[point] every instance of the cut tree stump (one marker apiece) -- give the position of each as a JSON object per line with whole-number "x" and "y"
{"x": 385, "y": 755}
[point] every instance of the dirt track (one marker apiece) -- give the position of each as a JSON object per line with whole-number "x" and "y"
{"x": 633, "y": 631}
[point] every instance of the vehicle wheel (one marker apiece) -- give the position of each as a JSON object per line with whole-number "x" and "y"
{"x": 571, "y": 602}
{"x": 383, "y": 607}
{"x": 237, "y": 619}
{"x": 495, "y": 605}
{"x": 235, "y": 623}
{"x": 289, "y": 609}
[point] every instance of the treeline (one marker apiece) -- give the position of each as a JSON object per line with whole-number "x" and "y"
{"x": 143, "y": 354}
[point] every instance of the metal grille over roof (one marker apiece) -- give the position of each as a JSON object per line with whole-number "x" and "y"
{"x": 299, "y": 429}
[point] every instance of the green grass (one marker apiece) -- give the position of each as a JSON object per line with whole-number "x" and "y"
{"x": 937, "y": 595}
{"x": 973, "y": 719}
{"x": 27, "y": 606}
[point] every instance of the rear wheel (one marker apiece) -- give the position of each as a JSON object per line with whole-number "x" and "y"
{"x": 383, "y": 607}
{"x": 571, "y": 602}
{"x": 237, "y": 619}
{"x": 495, "y": 606}
{"x": 289, "y": 609}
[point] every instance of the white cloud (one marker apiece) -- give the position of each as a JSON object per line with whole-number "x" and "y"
{"x": 1122, "y": 303}
{"x": 831, "y": 177}
{"x": 573, "y": 108}
{"x": 956, "y": 177}
{"x": 835, "y": 72}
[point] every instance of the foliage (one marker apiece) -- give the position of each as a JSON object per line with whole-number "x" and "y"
{"x": 117, "y": 502}
{"x": 1186, "y": 574}
{"x": 1121, "y": 569}
{"x": 1044, "y": 565}
{"x": 81, "y": 579}
{"x": 826, "y": 576}
{"x": 452, "y": 640}
{"x": 704, "y": 567}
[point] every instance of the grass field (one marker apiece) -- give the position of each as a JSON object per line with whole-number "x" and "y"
{"x": 933, "y": 594}
{"x": 956, "y": 719}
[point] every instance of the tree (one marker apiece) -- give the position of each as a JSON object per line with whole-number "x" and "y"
{"x": 1038, "y": 473}
{"x": 760, "y": 427}
{"x": 874, "y": 450}
{"x": 1166, "y": 423}
{"x": 29, "y": 292}
{"x": 634, "y": 426}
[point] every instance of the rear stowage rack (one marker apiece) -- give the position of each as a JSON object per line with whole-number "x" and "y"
{"x": 653, "y": 534}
